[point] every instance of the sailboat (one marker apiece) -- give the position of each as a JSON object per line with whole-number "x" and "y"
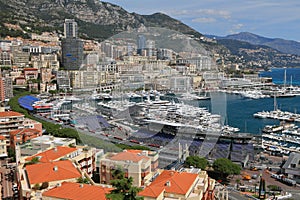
{"x": 191, "y": 96}
{"x": 284, "y": 92}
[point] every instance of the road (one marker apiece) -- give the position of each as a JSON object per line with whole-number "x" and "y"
{"x": 234, "y": 195}
{"x": 7, "y": 179}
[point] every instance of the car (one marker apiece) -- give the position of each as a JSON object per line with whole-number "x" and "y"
{"x": 254, "y": 176}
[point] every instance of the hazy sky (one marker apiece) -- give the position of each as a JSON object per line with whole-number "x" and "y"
{"x": 269, "y": 18}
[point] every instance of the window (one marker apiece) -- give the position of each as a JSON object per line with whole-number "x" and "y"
{"x": 293, "y": 165}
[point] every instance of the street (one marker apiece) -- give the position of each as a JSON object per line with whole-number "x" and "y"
{"x": 7, "y": 181}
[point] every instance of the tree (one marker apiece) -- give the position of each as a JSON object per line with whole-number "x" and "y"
{"x": 44, "y": 185}
{"x": 123, "y": 187}
{"x": 225, "y": 167}
{"x": 196, "y": 161}
{"x": 11, "y": 154}
{"x": 83, "y": 180}
{"x": 236, "y": 169}
{"x": 36, "y": 186}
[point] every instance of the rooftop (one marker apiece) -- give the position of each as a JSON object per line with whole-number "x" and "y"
{"x": 294, "y": 158}
{"x": 50, "y": 138}
{"x": 24, "y": 131}
{"x": 126, "y": 155}
{"x": 172, "y": 182}
{"x": 52, "y": 154}
{"x": 153, "y": 191}
{"x": 76, "y": 191}
{"x": 52, "y": 171}
{"x": 10, "y": 114}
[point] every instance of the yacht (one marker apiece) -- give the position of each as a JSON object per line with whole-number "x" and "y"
{"x": 191, "y": 96}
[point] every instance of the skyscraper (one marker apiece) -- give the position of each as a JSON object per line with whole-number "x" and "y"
{"x": 141, "y": 44}
{"x": 70, "y": 28}
{"x": 72, "y": 47}
{"x": 72, "y": 53}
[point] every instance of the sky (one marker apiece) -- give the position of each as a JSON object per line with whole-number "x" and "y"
{"x": 268, "y": 18}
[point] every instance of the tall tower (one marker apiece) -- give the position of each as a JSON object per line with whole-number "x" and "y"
{"x": 72, "y": 47}
{"x": 2, "y": 88}
{"x": 141, "y": 44}
{"x": 70, "y": 28}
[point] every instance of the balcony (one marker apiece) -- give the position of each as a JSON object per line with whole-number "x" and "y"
{"x": 82, "y": 164}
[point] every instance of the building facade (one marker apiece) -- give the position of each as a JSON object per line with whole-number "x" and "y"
{"x": 72, "y": 53}
{"x": 136, "y": 164}
{"x": 10, "y": 121}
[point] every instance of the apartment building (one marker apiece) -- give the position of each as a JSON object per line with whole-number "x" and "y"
{"x": 6, "y": 87}
{"x": 45, "y": 60}
{"x": 21, "y": 136}
{"x": 83, "y": 157}
{"x": 5, "y": 52}
{"x": 35, "y": 178}
{"x": 190, "y": 184}
{"x": 3, "y": 149}
{"x": 31, "y": 73}
{"x": 136, "y": 164}
{"x": 76, "y": 191}
{"x": 9, "y": 121}
{"x": 19, "y": 57}
{"x": 44, "y": 142}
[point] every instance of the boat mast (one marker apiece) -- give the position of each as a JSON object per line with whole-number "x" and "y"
{"x": 275, "y": 102}
{"x": 284, "y": 83}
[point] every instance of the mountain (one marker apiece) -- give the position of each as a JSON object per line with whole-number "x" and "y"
{"x": 96, "y": 19}
{"x": 282, "y": 45}
{"x": 99, "y": 20}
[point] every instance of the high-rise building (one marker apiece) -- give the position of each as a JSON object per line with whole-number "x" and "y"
{"x": 72, "y": 53}
{"x": 6, "y": 87}
{"x": 141, "y": 44}
{"x": 2, "y": 89}
{"x": 70, "y": 28}
{"x": 72, "y": 47}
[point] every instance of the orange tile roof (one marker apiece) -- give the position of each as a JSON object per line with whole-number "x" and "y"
{"x": 125, "y": 155}
{"x": 2, "y": 137}
{"x": 24, "y": 131}
{"x": 134, "y": 151}
{"x": 52, "y": 154}
{"x": 10, "y": 114}
{"x": 45, "y": 172}
{"x": 153, "y": 191}
{"x": 76, "y": 191}
{"x": 172, "y": 181}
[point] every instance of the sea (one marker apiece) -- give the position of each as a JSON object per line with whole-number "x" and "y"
{"x": 238, "y": 111}
{"x": 278, "y": 75}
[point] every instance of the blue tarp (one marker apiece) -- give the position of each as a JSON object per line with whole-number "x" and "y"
{"x": 27, "y": 101}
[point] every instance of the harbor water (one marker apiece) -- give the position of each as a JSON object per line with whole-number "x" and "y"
{"x": 240, "y": 110}
{"x": 278, "y": 74}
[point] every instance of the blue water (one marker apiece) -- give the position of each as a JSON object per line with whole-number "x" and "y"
{"x": 277, "y": 74}
{"x": 240, "y": 110}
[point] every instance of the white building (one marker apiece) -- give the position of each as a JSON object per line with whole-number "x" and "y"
{"x": 181, "y": 84}
{"x": 292, "y": 167}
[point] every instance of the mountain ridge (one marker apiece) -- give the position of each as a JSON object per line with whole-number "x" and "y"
{"x": 51, "y": 13}
{"x": 282, "y": 45}
{"x": 99, "y": 20}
